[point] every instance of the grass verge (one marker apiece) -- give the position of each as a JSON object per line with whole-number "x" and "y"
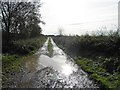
{"x": 99, "y": 74}
{"x": 50, "y": 48}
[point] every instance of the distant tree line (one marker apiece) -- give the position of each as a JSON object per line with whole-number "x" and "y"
{"x": 20, "y": 20}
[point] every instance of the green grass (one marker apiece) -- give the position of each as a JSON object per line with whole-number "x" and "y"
{"x": 50, "y": 48}
{"x": 99, "y": 74}
{"x": 10, "y": 65}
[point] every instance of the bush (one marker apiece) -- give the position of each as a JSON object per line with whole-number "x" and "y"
{"x": 23, "y": 47}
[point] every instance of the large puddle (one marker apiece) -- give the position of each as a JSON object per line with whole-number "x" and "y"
{"x": 58, "y": 62}
{"x": 58, "y": 71}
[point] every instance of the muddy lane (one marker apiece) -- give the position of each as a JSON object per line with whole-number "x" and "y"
{"x": 58, "y": 71}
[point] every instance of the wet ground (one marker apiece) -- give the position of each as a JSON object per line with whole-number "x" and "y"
{"x": 58, "y": 71}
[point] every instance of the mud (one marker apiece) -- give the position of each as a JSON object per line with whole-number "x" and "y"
{"x": 58, "y": 71}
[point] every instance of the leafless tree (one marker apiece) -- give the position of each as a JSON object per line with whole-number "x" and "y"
{"x": 60, "y": 31}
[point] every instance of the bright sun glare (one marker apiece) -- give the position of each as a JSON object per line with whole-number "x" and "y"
{"x": 66, "y": 70}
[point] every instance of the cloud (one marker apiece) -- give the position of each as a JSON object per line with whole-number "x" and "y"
{"x": 78, "y": 13}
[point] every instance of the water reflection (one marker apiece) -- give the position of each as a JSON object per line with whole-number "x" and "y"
{"x": 67, "y": 70}
{"x": 58, "y": 62}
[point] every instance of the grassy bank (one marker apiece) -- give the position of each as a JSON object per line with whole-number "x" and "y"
{"x": 20, "y": 50}
{"x": 99, "y": 73}
{"x": 50, "y": 48}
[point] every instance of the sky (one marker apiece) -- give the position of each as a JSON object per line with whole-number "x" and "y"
{"x": 78, "y": 16}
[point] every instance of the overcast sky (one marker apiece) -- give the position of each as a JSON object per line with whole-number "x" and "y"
{"x": 78, "y": 16}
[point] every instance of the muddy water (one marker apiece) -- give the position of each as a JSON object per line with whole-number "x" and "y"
{"x": 58, "y": 71}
